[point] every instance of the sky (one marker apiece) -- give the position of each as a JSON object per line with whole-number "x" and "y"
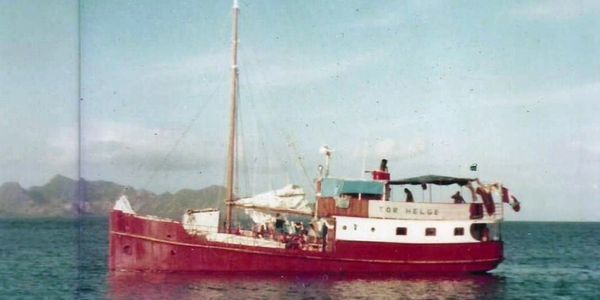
{"x": 435, "y": 86}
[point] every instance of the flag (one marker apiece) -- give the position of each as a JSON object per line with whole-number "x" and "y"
{"x": 510, "y": 199}
{"x": 476, "y": 210}
{"x": 488, "y": 200}
{"x": 516, "y": 204}
{"x": 473, "y": 167}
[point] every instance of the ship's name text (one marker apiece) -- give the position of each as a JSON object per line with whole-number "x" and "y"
{"x": 410, "y": 211}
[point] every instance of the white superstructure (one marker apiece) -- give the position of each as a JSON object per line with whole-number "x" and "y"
{"x": 408, "y": 231}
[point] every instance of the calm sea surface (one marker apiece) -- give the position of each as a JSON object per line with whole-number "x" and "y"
{"x": 42, "y": 259}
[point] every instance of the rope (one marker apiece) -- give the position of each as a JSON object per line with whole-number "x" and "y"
{"x": 299, "y": 160}
{"x": 176, "y": 144}
{"x": 165, "y": 158}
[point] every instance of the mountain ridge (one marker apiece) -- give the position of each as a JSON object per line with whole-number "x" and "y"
{"x": 58, "y": 198}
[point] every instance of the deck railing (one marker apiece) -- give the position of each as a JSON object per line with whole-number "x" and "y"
{"x": 328, "y": 207}
{"x": 499, "y": 210}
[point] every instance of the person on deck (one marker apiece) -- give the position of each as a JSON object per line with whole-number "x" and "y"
{"x": 261, "y": 231}
{"x": 312, "y": 232}
{"x": 279, "y": 222}
{"x": 324, "y": 230}
{"x": 409, "y": 196}
{"x": 271, "y": 230}
{"x": 299, "y": 227}
{"x": 458, "y": 199}
{"x": 289, "y": 227}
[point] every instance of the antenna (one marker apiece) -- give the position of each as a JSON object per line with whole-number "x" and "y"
{"x": 327, "y": 152}
{"x": 364, "y": 160}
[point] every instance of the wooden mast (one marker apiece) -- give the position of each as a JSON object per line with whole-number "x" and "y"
{"x": 233, "y": 118}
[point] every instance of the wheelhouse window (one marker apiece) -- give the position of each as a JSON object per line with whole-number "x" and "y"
{"x": 400, "y": 230}
{"x": 430, "y": 231}
{"x": 459, "y": 231}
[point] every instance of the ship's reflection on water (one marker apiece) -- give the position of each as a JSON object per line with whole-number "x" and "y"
{"x": 242, "y": 286}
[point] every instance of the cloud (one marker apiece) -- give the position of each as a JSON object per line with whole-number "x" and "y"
{"x": 579, "y": 93}
{"x": 387, "y": 19}
{"x": 276, "y": 71}
{"x": 556, "y": 10}
{"x": 143, "y": 148}
{"x": 206, "y": 64}
{"x": 394, "y": 150}
{"x": 586, "y": 143}
{"x": 62, "y": 147}
{"x": 167, "y": 159}
{"x": 584, "y": 93}
{"x": 209, "y": 73}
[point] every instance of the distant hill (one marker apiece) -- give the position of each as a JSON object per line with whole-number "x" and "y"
{"x": 58, "y": 198}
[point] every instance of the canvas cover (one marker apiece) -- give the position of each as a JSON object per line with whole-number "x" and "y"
{"x": 289, "y": 199}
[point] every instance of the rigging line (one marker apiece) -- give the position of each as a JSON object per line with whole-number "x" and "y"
{"x": 220, "y": 32}
{"x": 241, "y": 149}
{"x": 184, "y": 133}
{"x": 177, "y": 142}
{"x": 256, "y": 144}
{"x": 295, "y": 155}
{"x": 292, "y": 145}
{"x": 262, "y": 81}
{"x": 238, "y": 140}
{"x": 142, "y": 162}
{"x": 262, "y": 143}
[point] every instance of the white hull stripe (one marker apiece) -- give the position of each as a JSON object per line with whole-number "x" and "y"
{"x": 383, "y": 261}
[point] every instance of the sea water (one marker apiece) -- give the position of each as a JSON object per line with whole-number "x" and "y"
{"x": 66, "y": 258}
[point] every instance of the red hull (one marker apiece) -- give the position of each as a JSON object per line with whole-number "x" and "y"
{"x": 150, "y": 245}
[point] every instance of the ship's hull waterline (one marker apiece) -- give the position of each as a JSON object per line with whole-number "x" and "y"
{"x": 143, "y": 244}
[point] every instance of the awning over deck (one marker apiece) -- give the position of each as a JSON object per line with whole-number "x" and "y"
{"x": 433, "y": 179}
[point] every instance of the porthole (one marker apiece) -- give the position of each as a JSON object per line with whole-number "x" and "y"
{"x": 459, "y": 231}
{"x": 344, "y": 227}
{"x": 430, "y": 231}
{"x": 400, "y": 230}
{"x": 372, "y": 229}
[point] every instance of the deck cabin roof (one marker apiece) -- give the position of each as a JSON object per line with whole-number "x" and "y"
{"x": 432, "y": 179}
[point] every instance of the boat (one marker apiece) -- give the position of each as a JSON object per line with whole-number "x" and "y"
{"x": 352, "y": 226}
